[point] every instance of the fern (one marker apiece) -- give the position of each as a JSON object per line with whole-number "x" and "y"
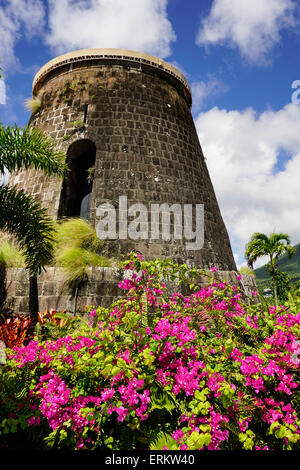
{"x": 17, "y": 384}
{"x": 162, "y": 401}
{"x": 163, "y": 441}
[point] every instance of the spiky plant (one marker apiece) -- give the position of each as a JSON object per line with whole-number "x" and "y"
{"x": 75, "y": 232}
{"x": 33, "y": 104}
{"x": 10, "y": 254}
{"x": 77, "y": 249}
{"x": 20, "y": 214}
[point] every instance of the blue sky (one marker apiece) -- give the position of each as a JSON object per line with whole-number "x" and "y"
{"x": 240, "y": 57}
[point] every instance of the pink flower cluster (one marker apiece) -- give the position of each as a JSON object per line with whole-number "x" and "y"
{"x": 184, "y": 352}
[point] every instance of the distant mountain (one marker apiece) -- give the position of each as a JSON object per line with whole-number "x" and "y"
{"x": 290, "y": 266}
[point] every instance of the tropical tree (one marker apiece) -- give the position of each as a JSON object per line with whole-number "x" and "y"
{"x": 20, "y": 214}
{"x": 273, "y": 246}
{"x": 283, "y": 285}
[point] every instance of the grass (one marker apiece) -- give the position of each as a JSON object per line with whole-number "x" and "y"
{"x": 33, "y": 104}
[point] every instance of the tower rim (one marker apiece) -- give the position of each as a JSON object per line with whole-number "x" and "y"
{"x": 124, "y": 55}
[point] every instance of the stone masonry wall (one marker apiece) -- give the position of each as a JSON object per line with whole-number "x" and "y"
{"x": 102, "y": 289}
{"x": 147, "y": 148}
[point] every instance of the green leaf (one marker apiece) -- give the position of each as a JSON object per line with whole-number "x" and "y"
{"x": 29, "y": 147}
{"x": 164, "y": 440}
{"x": 29, "y": 223}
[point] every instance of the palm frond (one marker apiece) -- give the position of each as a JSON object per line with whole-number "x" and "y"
{"x": 29, "y": 147}
{"x": 23, "y": 217}
{"x": 163, "y": 441}
{"x": 276, "y": 238}
{"x": 260, "y": 237}
{"x": 255, "y": 249}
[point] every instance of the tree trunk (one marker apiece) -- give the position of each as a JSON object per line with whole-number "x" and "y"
{"x": 2, "y": 286}
{"x": 33, "y": 300}
{"x": 275, "y": 291}
{"x": 273, "y": 274}
{"x": 75, "y": 300}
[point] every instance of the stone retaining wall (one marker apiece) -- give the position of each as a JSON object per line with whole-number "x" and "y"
{"x": 101, "y": 289}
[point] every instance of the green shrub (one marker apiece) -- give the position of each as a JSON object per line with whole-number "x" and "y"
{"x": 160, "y": 371}
{"x": 10, "y": 255}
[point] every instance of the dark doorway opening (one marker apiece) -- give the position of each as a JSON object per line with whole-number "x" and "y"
{"x": 75, "y": 200}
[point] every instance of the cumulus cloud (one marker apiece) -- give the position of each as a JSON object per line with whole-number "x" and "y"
{"x": 203, "y": 90}
{"x": 256, "y": 188}
{"x": 141, "y": 25}
{"x": 2, "y": 91}
{"x": 252, "y": 26}
{"x": 16, "y": 17}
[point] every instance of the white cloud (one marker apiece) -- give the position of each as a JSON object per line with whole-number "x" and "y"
{"x": 2, "y": 92}
{"x": 140, "y": 25}
{"x": 4, "y": 178}
{"x": 16, "y": 16}
{"x": 252, "y": 26}
{"x": 243, "y": 150}
{"x": 202, "y": 91}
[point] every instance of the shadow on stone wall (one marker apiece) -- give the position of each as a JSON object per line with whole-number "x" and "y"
{"x": 2, "y": 287}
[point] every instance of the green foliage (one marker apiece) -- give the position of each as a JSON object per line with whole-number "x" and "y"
{"x": 77, "y": 261}
{"x": 33, "y": 229}
{"x": 282, "y": 280}
{"x": 285, "y": 264}
{"x": 29, "y": 147}
{"x": 77, "y": 248}
{"x": 77, "y": 124}
{"x": 160, "y": 371}
{"x": 91, "y": 173}
{"x": 77, "y": 233}
{"x": 60, "y": 326}
{"x": 163, "y": 441}
{"x": 20, "y": 214}
{"x": 273, "y": 246}
{"x": 33, "y": 104}
{"x": 10, "y": 255}
{"x": 247, "y": 271}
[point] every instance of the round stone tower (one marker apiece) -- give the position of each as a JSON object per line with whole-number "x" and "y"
{"x": 123, "y": 120}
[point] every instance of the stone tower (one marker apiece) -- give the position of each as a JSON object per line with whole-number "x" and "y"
{"x": 123, "y": 119}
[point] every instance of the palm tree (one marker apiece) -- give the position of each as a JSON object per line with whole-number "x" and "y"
{"x": 20, "y": 214}
{"x": 273, "y": 246}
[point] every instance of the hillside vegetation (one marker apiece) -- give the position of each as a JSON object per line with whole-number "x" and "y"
{"x": 290, "y": 266}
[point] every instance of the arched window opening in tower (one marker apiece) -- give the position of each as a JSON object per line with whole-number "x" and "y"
{"x": 76, "y": 195}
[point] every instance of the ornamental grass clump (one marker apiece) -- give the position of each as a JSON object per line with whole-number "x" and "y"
{"x": 77, "y": 250}
{"x": 10, "y": 254}
{"x": 202, "y": 371}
